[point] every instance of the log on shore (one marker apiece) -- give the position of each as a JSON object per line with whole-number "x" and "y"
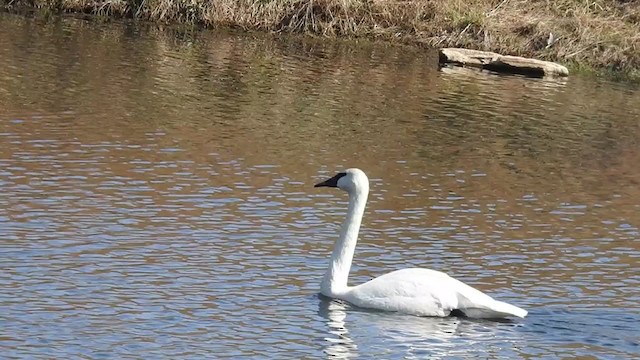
{"x": 501, "y": 63}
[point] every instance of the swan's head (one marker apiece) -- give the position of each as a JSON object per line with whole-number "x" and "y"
{"x": 350, "y": 180}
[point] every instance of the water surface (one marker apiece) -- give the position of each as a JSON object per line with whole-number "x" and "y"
{"x": 156, "y": 197}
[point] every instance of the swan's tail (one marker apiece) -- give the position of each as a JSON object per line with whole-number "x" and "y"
{"x": 476, "y": 304}
{"x": 505, "y": 308}
{"x": 495, "y": 310}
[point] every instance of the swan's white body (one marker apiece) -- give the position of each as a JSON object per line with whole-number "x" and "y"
{"x": 414, "y": 291}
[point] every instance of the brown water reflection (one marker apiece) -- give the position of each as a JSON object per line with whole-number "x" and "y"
{"x": 156, "y": 196}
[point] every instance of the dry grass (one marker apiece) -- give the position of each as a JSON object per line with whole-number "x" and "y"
{"x": 600, "y": 34}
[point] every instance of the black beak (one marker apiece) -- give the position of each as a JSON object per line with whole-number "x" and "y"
{"x": 333, "y": 182}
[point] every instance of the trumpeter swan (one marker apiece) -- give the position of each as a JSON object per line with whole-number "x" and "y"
{"x": 414, "y": 291}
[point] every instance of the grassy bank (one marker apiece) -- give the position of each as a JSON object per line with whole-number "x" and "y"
{"x": 592, "y": 35}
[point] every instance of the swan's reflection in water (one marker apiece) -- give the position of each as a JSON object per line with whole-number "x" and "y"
{"x": 393, "y": 335}
{"x": 339, "y": 345}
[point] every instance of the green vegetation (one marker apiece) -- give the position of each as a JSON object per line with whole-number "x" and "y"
{"x": 588, "y": 35}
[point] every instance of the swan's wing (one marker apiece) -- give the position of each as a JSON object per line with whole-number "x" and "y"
{"x": 428, "y": 293}
{"x": 412, "y": 291}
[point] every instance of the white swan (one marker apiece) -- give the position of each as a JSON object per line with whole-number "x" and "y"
{"x": 414, "y": 291}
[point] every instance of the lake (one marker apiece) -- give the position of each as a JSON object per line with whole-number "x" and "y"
{"x": 157, "y": 197}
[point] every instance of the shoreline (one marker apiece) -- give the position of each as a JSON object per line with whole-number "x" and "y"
{"x": 601, "y": 37}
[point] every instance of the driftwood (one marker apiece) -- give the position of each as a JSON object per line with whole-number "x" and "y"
{"x": 501, "y": 63}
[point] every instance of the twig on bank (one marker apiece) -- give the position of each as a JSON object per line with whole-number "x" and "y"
{"x": 584, "y": 49}
{"x": 464, "y": 30}
{"x": 493, "y": 11}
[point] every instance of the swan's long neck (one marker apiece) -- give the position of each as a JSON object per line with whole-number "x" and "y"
{"x": 335, "y": 280}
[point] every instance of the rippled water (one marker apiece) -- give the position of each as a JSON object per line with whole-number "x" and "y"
{"x": 157, "y": 197}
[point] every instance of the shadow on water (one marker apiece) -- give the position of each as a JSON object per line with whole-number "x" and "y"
{"x": 351, "y": 329}
{"x": 430, "y": 336}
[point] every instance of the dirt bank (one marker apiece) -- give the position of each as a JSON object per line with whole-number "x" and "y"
{"x": 598, "y": 35}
